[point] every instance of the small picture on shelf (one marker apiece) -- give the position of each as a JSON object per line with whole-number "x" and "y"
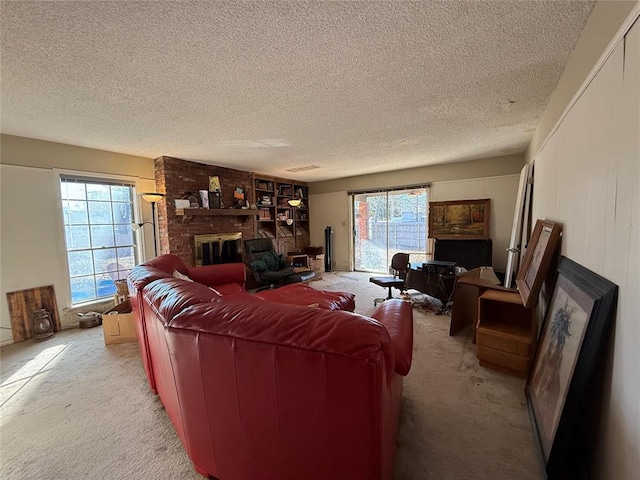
{"x": 204, "y": 198}
{"x": 214, "y": 184}
{"x": 214, "y": 200}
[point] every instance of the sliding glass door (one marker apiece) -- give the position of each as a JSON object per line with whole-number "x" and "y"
{"x": 388, "y": 222}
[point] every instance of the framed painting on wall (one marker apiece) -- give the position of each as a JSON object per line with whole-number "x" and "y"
{"x": 459, "y": 219}
{"x": 573, "y": 335}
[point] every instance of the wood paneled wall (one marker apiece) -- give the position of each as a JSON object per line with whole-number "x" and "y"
{"x": 587, "y": 176}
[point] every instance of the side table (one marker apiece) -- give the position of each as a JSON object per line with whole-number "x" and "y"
{"x": 506, "y": 333}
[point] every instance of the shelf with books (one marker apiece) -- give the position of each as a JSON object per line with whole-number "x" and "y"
{"x": 275, "y": 213}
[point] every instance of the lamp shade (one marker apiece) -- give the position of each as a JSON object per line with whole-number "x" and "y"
{"x": 152, "y": 197}
{"x": 294, "y": 202}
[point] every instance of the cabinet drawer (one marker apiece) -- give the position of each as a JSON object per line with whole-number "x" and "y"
{"x": 503, "y": 343}
{"x": 505, "y": 360}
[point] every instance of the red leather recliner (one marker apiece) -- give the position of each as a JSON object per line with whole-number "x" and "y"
{"x": 261, "y": 390}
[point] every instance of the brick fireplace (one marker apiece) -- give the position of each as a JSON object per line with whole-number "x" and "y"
{"x": 175, "y": 177}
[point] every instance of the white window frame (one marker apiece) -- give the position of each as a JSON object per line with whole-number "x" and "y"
{"x": 137, "y": 209}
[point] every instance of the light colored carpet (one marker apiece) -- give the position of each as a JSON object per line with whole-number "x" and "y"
{"x": 74, "y": 408}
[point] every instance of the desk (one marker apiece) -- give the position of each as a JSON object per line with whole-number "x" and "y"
{"x": 434, "y": 284}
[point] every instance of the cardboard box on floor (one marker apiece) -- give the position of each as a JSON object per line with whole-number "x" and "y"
{"x": 118, "y": 324}
{"x": 317, "y": 265}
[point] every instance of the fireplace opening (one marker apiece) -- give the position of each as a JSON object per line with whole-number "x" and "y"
{"x": 218, "y": 248}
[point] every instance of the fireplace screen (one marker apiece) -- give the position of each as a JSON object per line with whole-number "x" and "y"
{"x": 218, "y": 248}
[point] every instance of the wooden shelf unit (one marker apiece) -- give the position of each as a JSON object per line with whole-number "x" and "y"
{"x": 272, "y": 215}
{"x": 506, "y": 332}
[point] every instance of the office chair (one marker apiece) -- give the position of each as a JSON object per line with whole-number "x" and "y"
{"x": 399, "y": 267}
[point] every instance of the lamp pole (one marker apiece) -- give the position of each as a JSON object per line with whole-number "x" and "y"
{"x": 153, "y": 198}
{"x": 153, "y": 221}
{"x": 295, "y": 203}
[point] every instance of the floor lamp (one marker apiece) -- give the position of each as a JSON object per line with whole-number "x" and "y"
{"x": 153, "y": 198}
{"x": 295, "y": 203}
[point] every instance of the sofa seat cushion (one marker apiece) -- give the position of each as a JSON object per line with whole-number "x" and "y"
{"x": 303, "y": 295}
{"x": 170, "y": 296}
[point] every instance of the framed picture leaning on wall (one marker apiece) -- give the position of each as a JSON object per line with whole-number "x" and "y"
{"x": 573, "y": 335}
{"x": 535, "y": 264}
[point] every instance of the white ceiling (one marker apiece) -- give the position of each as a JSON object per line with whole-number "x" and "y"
{"x": 352, "y": 87}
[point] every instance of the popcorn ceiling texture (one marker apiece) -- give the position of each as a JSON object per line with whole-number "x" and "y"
{"x": 354, "y": 87}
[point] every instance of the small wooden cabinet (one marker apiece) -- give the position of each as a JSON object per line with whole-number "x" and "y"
{"x": 506, "y": 332}
{"x": 287, "y": 226}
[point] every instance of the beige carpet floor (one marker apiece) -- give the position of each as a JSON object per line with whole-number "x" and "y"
{"x": 71, "y": 408}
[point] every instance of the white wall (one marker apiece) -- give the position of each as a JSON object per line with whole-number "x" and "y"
{"x": 334, "y": 209}
{"x": 588, "y": 178}
{"x": 32, "y": 252}
{"x": 502, "y": 191}
{"x": 30, "y": 236}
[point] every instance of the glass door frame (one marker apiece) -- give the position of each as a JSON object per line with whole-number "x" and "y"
{"x": 406, "y": 222}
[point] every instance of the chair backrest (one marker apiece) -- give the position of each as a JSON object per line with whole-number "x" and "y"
{"x": 254, "y": 248}
{"x": 400, "y": 265}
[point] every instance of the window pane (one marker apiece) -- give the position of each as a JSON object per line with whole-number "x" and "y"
{"x": 98, "y": 192}
{"x": 77, "y": 213}
{"x": 102, "y": 236}
{"x": 121, "y": 194}
{"x": 100, "y": 213}
{"x": 105, "y": 260}
{"x": 104, "y": 285}
{"x": 80, "y": 263}
{"x": 77, "y": 237}
{"x": 122, "y": 213}
{"x": 95, "y": 217}
{"x": 76, "y": 191}
{"x": 126, "y": 258}
{"x": 83, "y": 289}
{"x": 124, "y": 235}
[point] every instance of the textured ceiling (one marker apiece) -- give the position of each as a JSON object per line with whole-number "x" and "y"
{"x": 351, "y": 87}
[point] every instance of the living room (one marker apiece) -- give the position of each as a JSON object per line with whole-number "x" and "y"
{"x": 584, "y": 145}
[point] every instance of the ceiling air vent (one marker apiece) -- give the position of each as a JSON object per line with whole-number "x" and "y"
{"x": 302, "y": 169}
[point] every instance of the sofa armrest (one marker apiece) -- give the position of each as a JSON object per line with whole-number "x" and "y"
{"x": 397, "y": 317}
{"x": 221, "y": 274}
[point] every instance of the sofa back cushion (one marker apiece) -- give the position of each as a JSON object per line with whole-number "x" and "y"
{"x": 167, "y": 263}
{"x": 338, "y": 332}
{"x": 169, "y": 296}
{"x": 142, "y": 275}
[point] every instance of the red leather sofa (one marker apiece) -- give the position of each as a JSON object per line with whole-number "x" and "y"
{"x": 260, "y": 389}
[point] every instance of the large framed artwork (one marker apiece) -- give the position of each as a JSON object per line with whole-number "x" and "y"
{"x": 571, "y": 341}
{"x": 540, "y": 250}
{"x": 459, "y": 219}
